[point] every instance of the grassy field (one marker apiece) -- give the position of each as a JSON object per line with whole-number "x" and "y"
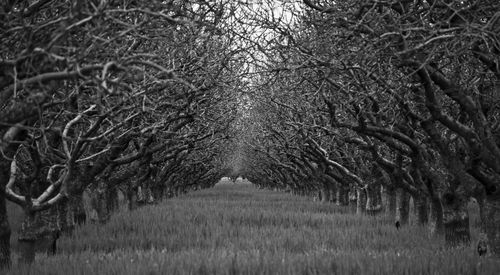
{"x": 238, "y": 229}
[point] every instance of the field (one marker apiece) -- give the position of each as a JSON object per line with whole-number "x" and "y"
{"x": 238, "y": 229}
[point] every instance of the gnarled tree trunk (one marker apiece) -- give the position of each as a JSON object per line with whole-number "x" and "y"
{"x": 8, "y": 149}
{"x": 39, "y": 232}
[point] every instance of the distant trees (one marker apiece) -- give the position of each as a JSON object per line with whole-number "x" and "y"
{"x": 363, "y": 95}
{"x": 106, "y": 96}
{"x": 354, "y": 102}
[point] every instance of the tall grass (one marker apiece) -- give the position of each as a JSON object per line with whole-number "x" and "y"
{"x": 237, "y": 229}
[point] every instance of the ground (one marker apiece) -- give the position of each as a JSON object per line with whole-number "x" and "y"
{"x": 237, "y": 228}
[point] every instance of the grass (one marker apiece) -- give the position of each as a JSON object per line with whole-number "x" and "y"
{"x": 238, "y": 229}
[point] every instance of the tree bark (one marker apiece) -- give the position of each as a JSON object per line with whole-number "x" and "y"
{"x": 105, "y": 202}
{"x": 422, "y": 207}
{"x": 132, "y": 198}
{"x": 8, "y": 149}
{"x": 480, "y": 199}
{"x": 373, "y": 201}
{"x": 333, "y": 194}
{"x": 492, "y": 222}
{"x": 342, "y": 195}
{"x": 436, "y": 224}
{"x": 4, "y": 228}
{"x": 27, "y": 251}
{"x": 403, "y": 207}
{"x": 360, "y": 201}
{"x": 456, "y": 220}
{"x": 325, "y": 194}
{"x": 390, "y": 193}
{"x": 77, "y": 208}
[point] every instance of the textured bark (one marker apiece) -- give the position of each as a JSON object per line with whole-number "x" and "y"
{"x": 112, "y": 199}
{"x": 38, "y": 233}
{"x": 390, "y": 193}
{"x": 373, "y": 198}
{"x": 46, "y": 244}
{"x": 105, "y": 201}
{"x": 403, "y": 207}
{"x": 492, "y": 222}
{"x": 422, "y": 209}
{"x": 436, "y": 225}
{"x": 4, "y": 229}
{"x": 8, "y": 149}
{"x": 77, "y": 208}
{"x": 481, "y": 199}
{"x": 456, "y": 220}
{"x": 360, "y": 201}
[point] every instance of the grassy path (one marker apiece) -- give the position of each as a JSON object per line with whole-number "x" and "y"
{"x": 237, "y": 229}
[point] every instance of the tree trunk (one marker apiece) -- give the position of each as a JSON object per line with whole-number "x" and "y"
{"x": 360, "y": 201}
{"x": 46, "y": 244}
{"x": 158, "y": 191}
{"x": 342, "y": 195}
{"x": 421, "y": 205}
{"x": 4, "y": 232}
{"x": 403, "y": 207}
{"x": 480, "y": 199}
{"x": 353, "y": 196}
{"x": 112, "y": 200}
{"x": 78, "y": 208}
{"x": 318, "y": 196}
{"x": 325, "y": 194}
{"x": 373, "y": 198}
{"x": 148, "y": 195}
{"x": 333, "y": 195}
{"x": 492, "y": 222}
{"x": 26, "y": 251}
{"x": 101, "y": 205}
{"x": 132, "y": 198}
{"x": 38, "y": 232}
{"x": 390, "y": 193}
{"x": 436, "y": 218}
{"x": 456, "y": 220}
{"x": 8, "y": 149}
{"x": 65, "y": 217}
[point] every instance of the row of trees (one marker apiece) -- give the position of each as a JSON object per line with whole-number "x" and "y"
{"x": 100, "y": 96}
{"x": 356, "y": 95}
{"x": 342, "y": 98}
